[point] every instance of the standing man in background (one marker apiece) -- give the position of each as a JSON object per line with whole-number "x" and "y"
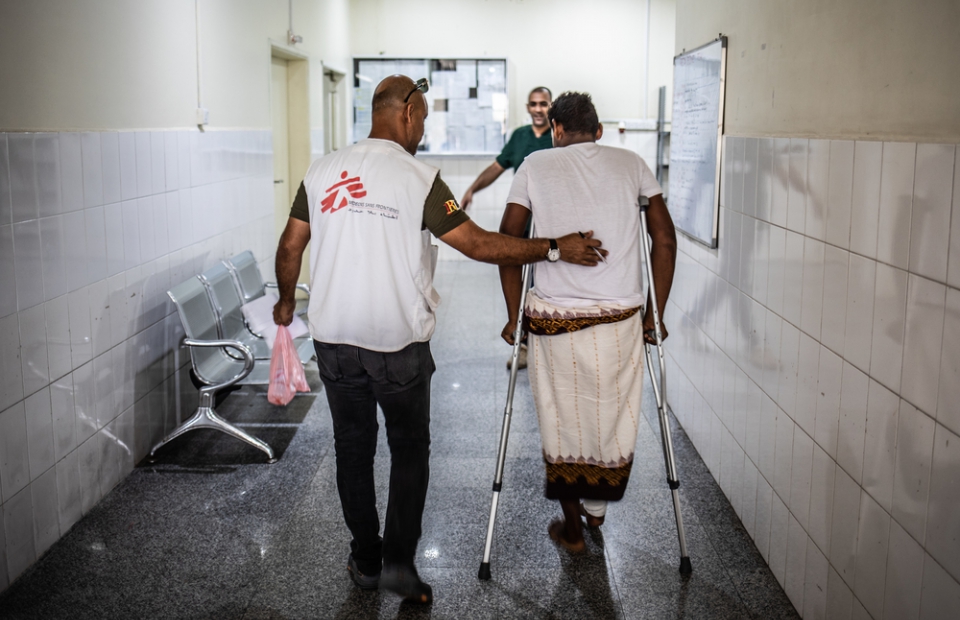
{"x": 525, "y": 140}
{"x": 370, "y": 209}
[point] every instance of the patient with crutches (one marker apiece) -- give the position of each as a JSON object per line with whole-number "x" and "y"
{"x": 587, "y": 326}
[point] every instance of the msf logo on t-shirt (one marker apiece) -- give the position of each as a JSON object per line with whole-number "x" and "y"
{"x": 353, "y": 186}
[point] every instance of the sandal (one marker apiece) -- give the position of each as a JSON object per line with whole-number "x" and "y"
{"x": 555, "y": 530}
{"x": 592, "y": 521}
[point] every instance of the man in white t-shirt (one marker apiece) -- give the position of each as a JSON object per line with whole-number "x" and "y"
{"x": 586, "y": 327}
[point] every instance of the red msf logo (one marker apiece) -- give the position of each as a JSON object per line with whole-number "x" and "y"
{"x": 354, "y": 187}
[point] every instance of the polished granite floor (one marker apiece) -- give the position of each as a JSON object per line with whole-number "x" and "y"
{"x": 211, "y": 531}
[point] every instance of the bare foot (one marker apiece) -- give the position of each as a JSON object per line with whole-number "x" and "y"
{"x": 556, "y": 531}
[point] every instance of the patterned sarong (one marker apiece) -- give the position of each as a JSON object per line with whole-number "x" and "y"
{"x": 586, "y": 380}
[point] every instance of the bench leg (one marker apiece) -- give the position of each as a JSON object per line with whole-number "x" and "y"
{"x": 206, "y": 417}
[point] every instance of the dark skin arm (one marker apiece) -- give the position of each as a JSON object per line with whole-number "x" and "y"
{"x": 663, "y": 258}
{"x": 293, "y": 242}
{"x": 489, "y": 247}
{"x": 488, "y": 176}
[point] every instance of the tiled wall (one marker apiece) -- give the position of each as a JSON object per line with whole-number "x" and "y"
{"x": 94, "y": 229}
{"x": 815, "y": 362}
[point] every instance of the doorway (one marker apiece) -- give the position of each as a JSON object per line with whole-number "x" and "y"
{"x": 333, "y": 120}
{"x": 289, "y": 110}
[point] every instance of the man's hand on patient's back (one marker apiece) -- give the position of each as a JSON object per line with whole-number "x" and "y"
{"x": 580, "y": 249}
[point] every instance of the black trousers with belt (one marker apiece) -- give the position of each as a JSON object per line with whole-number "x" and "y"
{"x": 356, "y": 381}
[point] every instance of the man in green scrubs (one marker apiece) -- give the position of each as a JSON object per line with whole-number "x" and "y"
{"x": 525, "y": 140}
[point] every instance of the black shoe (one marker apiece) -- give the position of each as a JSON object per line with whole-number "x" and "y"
{"x": 403, "y": 580}
{"x": 364, "y": 582}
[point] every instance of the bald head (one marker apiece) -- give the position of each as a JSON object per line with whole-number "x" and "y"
{"x": 396, "y": 119}
{"x": 390, "y": 93}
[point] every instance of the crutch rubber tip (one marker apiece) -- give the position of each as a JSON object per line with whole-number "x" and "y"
{"x": 484, "y": 572}
{"x": 685, "y": 567}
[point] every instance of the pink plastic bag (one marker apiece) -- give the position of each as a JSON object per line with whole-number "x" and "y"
{"x": 286, "y": 371}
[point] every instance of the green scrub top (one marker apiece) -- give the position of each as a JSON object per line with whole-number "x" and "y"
{"x": 522, "y": 143}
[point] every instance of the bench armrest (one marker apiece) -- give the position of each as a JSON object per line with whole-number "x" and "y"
{"x": 248, "y": 360}
{"x": 300, "y": 287}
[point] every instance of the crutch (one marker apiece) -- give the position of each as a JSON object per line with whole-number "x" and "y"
{"x": 660, "y": 392}
{"x": 484, "y": 572}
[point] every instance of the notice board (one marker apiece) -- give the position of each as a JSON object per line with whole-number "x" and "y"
{"x": 467, "y": 101}
{"x": 695, "y": 140}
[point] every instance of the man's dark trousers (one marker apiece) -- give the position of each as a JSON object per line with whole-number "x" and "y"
{"x": 356, "y": 381}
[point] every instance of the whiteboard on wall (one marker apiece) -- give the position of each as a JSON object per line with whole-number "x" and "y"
{"x": 698, "y": 88}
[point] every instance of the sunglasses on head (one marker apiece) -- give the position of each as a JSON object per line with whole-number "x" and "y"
{"x": 422, "y": 85}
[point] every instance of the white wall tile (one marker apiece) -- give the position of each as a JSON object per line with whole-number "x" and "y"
{"x": 940, "y": 593}
{"x": 861, "y": 297}
{"x": 33, "y": 349}
{"x": 183, "y": 158}
{"x": 68, "y": 491}
{"x": 157, "y": 163}
{"x": 110, "y": 166}
{"x": 170, "y": 163}
{"x": 815, "y": 583}
{"x": 764, "y": 178}
{"x": 845, "y": 526}
{"x": 14, "y": 456}
{"x": 784, "y": 456}
{"x": 800, "y": 477}
{"x": 81, "y": 346}
{"x": 85, "y": 402}
{"x": 159, "y": 226}
{"x": 52, "y": 257}
{"x": 92, "y": 169}
{"x": 773, "y": 326}
{"x": 6, "y": 210}
{"x": 780, "y": 185}
{"x": 8, "y": 274}
{"x": 865, "y": 203}
{"x": 812, "y": 309}
{"x": 836, "y": 265}
{"x": 775, "y": 278}
{"x": 761, "y": 528}
{"x": 793, "y": 278}
{"x": 148, "y": 238}
{"x": 904, "y": 576}
{"x": 779, "y": 524}
{"x": 948, "y": 413}
{"x": 89, "y": 468}
{"x": 76, "y": 259}
{"x": 872, "y": 544}
{"x": 768, "y": 438}
{"x": 57, "y": 320}
{"x": 789, "y": 363}
{"x": 942, "y": 541}
{"x": 113, "y": 223}
{"x": 880, "y": 445}
{"x": 71, "y": 172}
{"x": 896, "y": 200}
{"x": 859, "y": 612}
{"x": 4, "y": 577}
{"x": 922, "y": 342}
{"x": 18, "y": 526}
{"x": 839, "y": 602}
{"x": 930, "y": 216}
{"x": 100, "y": 333}
{"x": 127, "y": 141}
{"x": 131, "y": 233}
{"x": 46, "y": 518}
{"x": 109, "y": 459}
{"x": 46, "y": 151}
{"x": 818, "y": 174}
{"x": 23, "y": 177}
{"x": 11, "y": 373}
{"x": 797, "y": 191}
{"x": 28, "y": 264}
{"x": 853, "y": 418}
{"x": 796, "y": 563}
{"x": 911, "y": 488}
{"x": 823, "y": 474}
{"x": 748, "y": 496}
{"x": 750, "y": 171}
{"x": 64, "y": 416}
{"x": 96, "y": 244}
{"x": 840, "y": 193}
{"x": 889, "y": 317}
{"x": 953, "y": 262}
{"x": 144, "y": 164}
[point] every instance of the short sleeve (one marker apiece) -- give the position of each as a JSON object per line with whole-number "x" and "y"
{"x": 441, "y": 211}
{"x": 648, "y": 182}
{"x": 300, "y": 209}
{"x": 519, "y": 193}
{"x": 508, "y": 154}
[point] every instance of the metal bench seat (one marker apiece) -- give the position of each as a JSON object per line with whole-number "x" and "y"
{"x": 249, "y": 283}
{"x": 226, "y": 300}
{"x": 212, "y": 365}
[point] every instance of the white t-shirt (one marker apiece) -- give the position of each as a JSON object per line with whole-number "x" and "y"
{"x": 585, "y": 187}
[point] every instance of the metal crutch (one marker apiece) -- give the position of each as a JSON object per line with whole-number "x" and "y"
{"x": 484, "y": 572}
{"x": 660, "y": 392}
